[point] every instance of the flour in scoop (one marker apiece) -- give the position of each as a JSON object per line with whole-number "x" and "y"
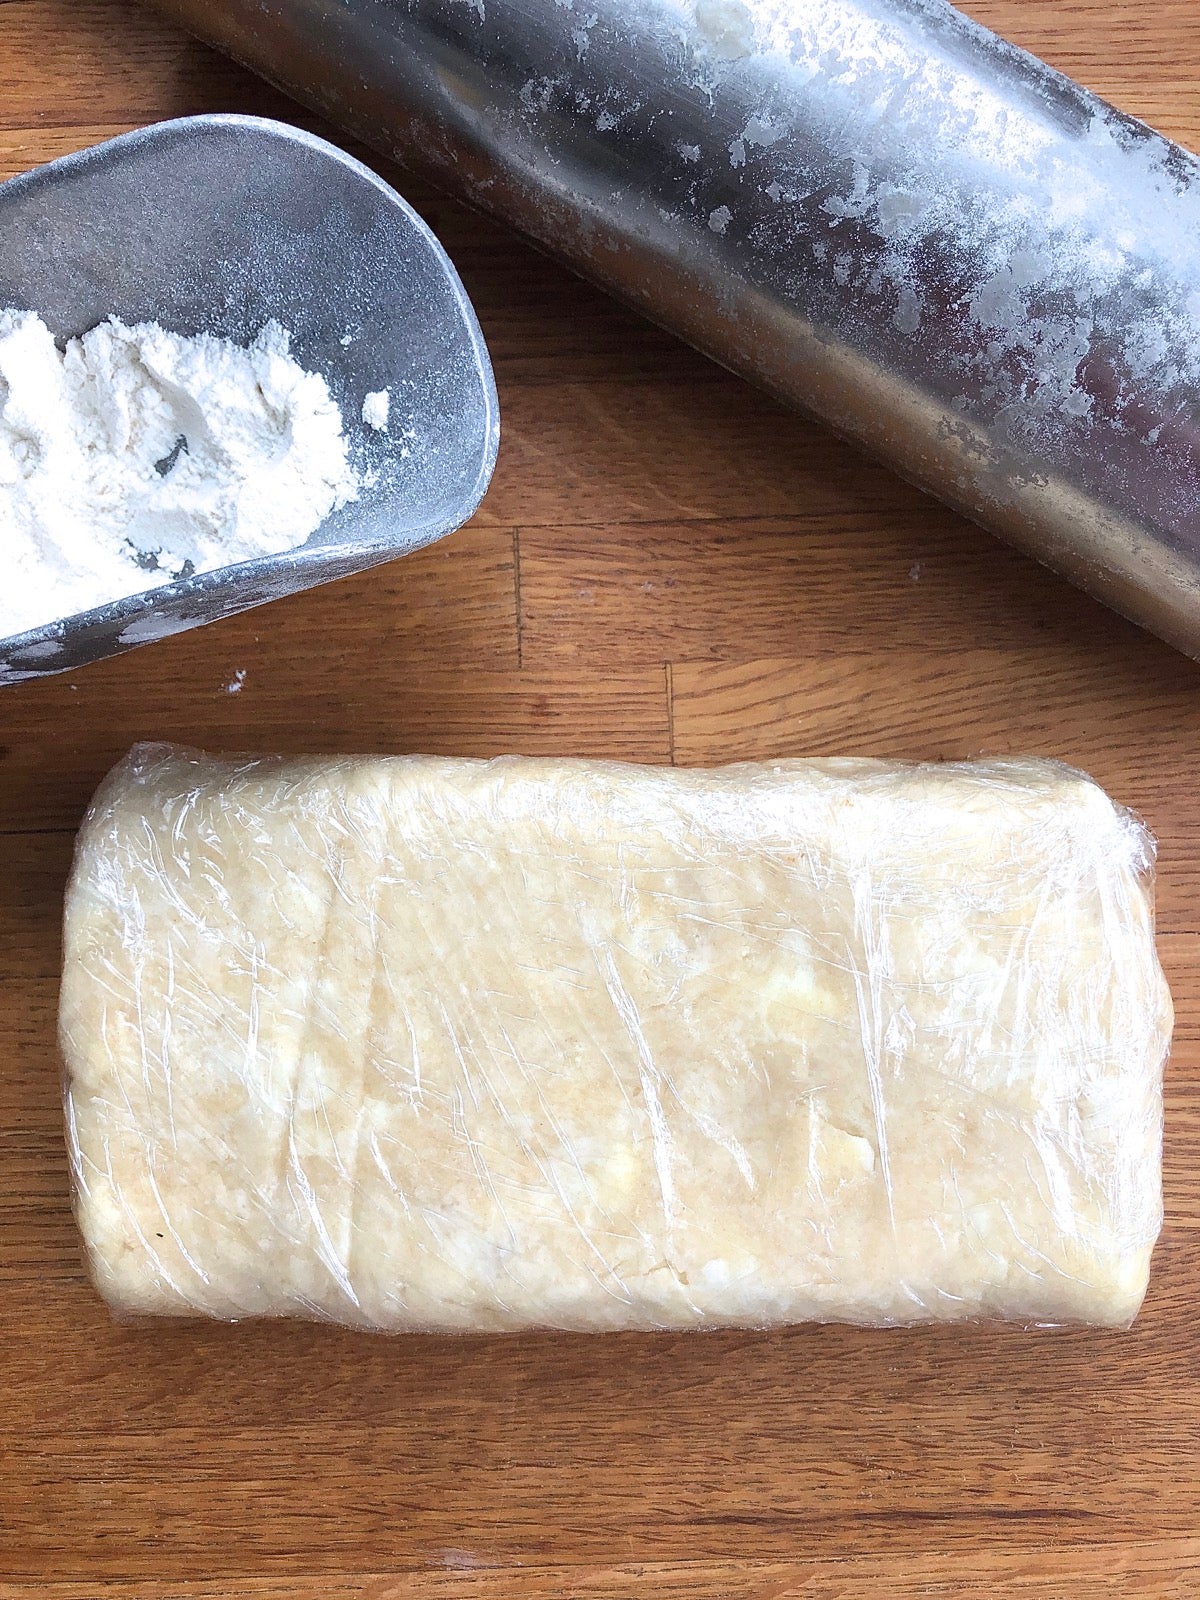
{"x": 136, "y": 456}
{"x": 377, "y": 409}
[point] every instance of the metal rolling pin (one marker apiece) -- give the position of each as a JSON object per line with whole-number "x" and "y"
{"x": 874, "y": 208}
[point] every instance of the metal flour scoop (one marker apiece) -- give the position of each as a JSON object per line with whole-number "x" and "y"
{"x": 218, "y": 224}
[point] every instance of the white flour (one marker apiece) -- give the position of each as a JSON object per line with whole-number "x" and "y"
{"x": 138, "y": 456}
{"x": 377, "y": 408}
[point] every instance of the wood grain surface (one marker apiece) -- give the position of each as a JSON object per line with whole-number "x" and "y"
{"x": 668, "y": 567}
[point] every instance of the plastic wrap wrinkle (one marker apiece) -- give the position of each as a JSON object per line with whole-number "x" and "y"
{"x": 417, "y": 1043}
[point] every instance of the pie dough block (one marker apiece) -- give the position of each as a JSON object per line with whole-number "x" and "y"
{"x": 416, "y": 1043}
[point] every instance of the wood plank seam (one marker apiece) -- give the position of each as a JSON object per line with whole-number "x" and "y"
{"x": 519, "y": 614}
{"x": 669, "y": 674}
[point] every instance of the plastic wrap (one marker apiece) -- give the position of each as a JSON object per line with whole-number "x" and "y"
{"x": 416, "y": 1043}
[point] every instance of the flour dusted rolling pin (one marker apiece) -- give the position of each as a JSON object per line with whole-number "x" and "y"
{"x": 422, "y": 1043}
{"x": 875, "y": 208}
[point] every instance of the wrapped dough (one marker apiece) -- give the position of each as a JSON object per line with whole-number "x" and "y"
{"x": 416, "y": 1043}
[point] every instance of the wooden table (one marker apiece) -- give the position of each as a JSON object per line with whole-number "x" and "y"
{"x": 668, "y": 568}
